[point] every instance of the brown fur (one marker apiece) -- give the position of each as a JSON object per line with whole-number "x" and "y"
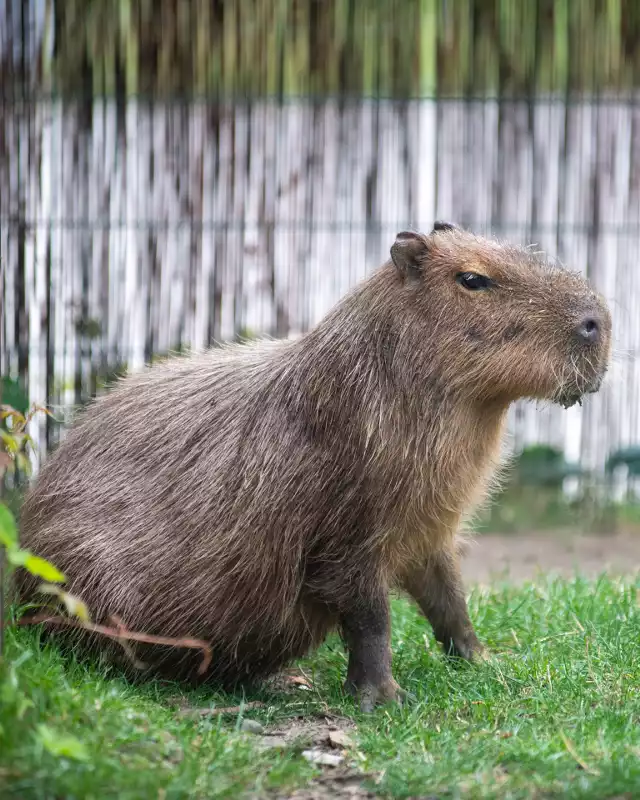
{"x": 260, "y": 495}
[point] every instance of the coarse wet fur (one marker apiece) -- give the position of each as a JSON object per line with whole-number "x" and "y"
{"x": 260, "y": 495}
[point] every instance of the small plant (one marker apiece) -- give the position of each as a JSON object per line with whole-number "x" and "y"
{"x": 13, "y": 557}
{"x": 14, "y": 457}
{"x": 14, "y": 460}
{"x": 12, "y": 694}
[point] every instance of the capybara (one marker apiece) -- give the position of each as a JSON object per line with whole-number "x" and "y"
{"x": 261, "y": 495}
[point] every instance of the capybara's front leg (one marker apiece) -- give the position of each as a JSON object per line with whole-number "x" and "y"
{"x": 366, "y": 628}
{"x": 438, "y": 589}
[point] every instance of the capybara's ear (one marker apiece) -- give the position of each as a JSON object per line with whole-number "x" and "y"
{"x": 440, "y": 226}
{"x": 409, "y": 252}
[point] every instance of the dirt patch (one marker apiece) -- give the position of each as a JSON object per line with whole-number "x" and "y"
{"x": 325, "y": 733}
{"x": 324, "y": 741}
{"x": 330, "y": 734}
{"x": 521, "y": 557}
{"x": 347, "y": 785}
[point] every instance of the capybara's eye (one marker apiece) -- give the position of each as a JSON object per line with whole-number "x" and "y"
{"x": 473, "y": 281}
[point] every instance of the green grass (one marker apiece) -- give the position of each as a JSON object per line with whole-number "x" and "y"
{"x": 554, "y": 713}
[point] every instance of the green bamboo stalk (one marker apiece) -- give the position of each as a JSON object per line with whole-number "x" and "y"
{"x": 403, "y": 49}
{"x": 428, "y": 48}
{"x": 338, "y": 29}
{"x": 488, "y": 81}
{"x": 184, "y": 42}
{"x": 288, "y": 50}
{"x": 244, "y": 75}
{"x": 463, "y": 77}
{"x": 560, "y": 77}
{"x": 201, "y": 50}
{"x": 612, "y": 30}
{"x": 364, "y": 53}
{"x": 129, "y": 38}
{"x": 214, "y": 43}
{"x": 46, "y": 60}
{"x": 165, "y": 60}
{"x": 91, "y": 47}
{"x": 274, "y": 71}
{"x": 383, "y": 56}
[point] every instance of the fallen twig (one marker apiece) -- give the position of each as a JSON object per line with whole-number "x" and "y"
{"x": 122, "y": 635}
{"x": 128, "y": 650}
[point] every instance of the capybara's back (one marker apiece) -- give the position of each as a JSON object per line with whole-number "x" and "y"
{"x": 257, "y": 496}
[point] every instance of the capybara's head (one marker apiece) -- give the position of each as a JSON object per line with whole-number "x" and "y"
{"x": 502, "y": 322}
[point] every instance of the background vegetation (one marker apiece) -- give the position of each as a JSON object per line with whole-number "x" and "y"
{"x": 399, "y": 48}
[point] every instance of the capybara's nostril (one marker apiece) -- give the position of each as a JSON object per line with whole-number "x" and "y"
{"x": 588, "y": 330}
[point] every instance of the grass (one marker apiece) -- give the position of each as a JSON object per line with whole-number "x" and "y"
{"x": 554, "y": 713}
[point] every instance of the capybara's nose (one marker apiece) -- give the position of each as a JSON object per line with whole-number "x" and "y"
{"x": 588, "y": 330}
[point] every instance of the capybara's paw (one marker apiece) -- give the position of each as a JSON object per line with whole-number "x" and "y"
{"x": 466, "y": 646}
{"x": 371, "y": 695}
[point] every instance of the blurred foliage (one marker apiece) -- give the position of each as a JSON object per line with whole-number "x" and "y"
{"x": 534, "y": 498}
{"x": 14, "y": 446}
{"x": 628, "y": 457}
{"x": 15, "y": 443}
{"x": 88, "y": 328}
{"x": 15, "y": 440}
{"x": 399, "y": 48}
{"x": 543, "y": 466}
{"x": 528, "y": 509}
{"x": 12, "y": 394}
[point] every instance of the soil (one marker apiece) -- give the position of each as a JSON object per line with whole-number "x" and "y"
{"x": 521, "y": 557}
{"x": 326, "y": 742}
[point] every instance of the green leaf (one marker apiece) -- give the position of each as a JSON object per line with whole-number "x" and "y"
{"x": 10, "y": 685}
{"x": 18, "y": 420}
{"x": 36, "y": 566}
{"x": 74, "y": 605}
{"x": 44, "y": 569}
{"x": 61, "y": 745}
{"x": 21, "y": 704}
{"x": 12, "y": 394}
{"x": 8, "y": 528}
{"x": 17, "y": 557}
{"x": 10, "y": 441}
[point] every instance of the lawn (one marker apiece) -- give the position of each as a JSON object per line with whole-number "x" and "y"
{"x": 554, "y": 713}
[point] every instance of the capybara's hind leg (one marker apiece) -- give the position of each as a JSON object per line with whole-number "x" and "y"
{"x": 438, "y": 589}
{"x": 366, "y": 629}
